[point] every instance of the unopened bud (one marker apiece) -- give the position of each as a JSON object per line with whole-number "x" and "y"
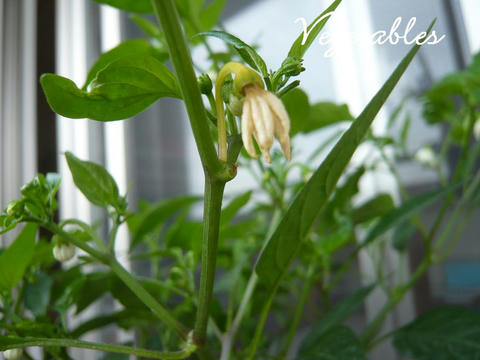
{"x": 292, "y": 66}
{"x": 63, "y": 252}
{"x": 13, "y": 354}
{"x": 235, "y": 105}
{"x": 426, "y": 157}
{"x": 476, "y": 130}
{"x": 205, "y": 84}
{"x": 13, "y": 207}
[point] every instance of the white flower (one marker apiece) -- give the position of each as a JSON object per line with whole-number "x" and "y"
{"x": 63, "y": 252}
{"x": 264, "y": 116}
{"x": 426, "y": 157}
{"x": 476, "y": 130}
{"x": 12, "y": 354}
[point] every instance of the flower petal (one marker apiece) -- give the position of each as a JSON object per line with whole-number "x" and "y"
{"x": 247, "y": 129}
{"x": 276, "y": 105}
{"x": 282, "y": 123}
{"x": 264, "y": 126}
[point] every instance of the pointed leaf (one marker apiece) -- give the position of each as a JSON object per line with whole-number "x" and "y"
{"x": 402, "y": 234}
{"x": 305, "y": 40}
{"x": 123, "y": 89}
{"x": 210, "y": 14}
{"x": 36, "y": 295}
{"x": 404, "y": 212}
{"x": 281, "y": 248}
{"x": 157, "y": 214}
{"x": 229, "y": 211}
{"x": 248, "y": 54}
{"x": 335, "y": 317}
{"x": 16, "y": 258}
{"x": 94, "y": 181}
{"x": 139, "y": 6}
{"x": 378, "y": 206}
{"x": 445, "y": 333}
{"x": 137, "y": 47}
{"x": 340, "y": 343}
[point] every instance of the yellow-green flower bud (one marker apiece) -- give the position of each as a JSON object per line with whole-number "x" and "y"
{"x": 245, "y": 76}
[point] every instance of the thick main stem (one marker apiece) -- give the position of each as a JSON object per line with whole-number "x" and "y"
{"x": 182, "y": 62}
{"x": 211, "y": 223}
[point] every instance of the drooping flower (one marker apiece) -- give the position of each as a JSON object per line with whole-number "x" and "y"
{"x": 263, "y": 114}
{"x": 264, "y": 117}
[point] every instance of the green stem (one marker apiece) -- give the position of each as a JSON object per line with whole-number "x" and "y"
{"x": 211, "y": 223}
{"x": 453, "y": 223}
{"x": 87, "y": 228}
{"x": 169, "y": 20}
{"x": 113, "y": 234}
{"x": 403, "y": 192}
{"x": 456, "y": 177}
{"x": 14, "y": 343}
{"x": 213, "y": 105}
{"x": 229, "y": 338}
{"x": 376, "y": 325}
{"x": 158, "y": 309}
{"x": 261, "y": 322}
{"x": 300, "y": 306}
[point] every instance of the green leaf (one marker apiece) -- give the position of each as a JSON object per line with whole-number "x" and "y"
{"x": 36, "y": 295}
{"x": 306, "y": 118}
{"x": 281, "y": 248}
{"x": 121, "y": 90}
{"x": 326, "y": 113}
{"x": 404, "y": 212}
{"x": 185, "y": 235}
{"x": 378, "y": 206}
{"x": 298, "y": 107}
{"x": 248, "y": 54}
{"x": 445, "y": 333}
{"x": 402, "y": 234}
{"x": 139, "y": 6}
{"x": 210, "y": 14}
{"x": 335, "y": 317}
{"x": 305, "y": 40}
{"x": 94, "y": 181}
{"x": 331, "y": 243}
{"x": 134, "y": 47}
{"x": 340, "y": 343}
{"x": 16, "y": 258}
{"x": 148, "y": 27}
{"x": 156, "y": 215}
{"x": 229, "y": 211}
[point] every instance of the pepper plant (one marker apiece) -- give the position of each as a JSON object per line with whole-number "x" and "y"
{"x": 272, "y": 249}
